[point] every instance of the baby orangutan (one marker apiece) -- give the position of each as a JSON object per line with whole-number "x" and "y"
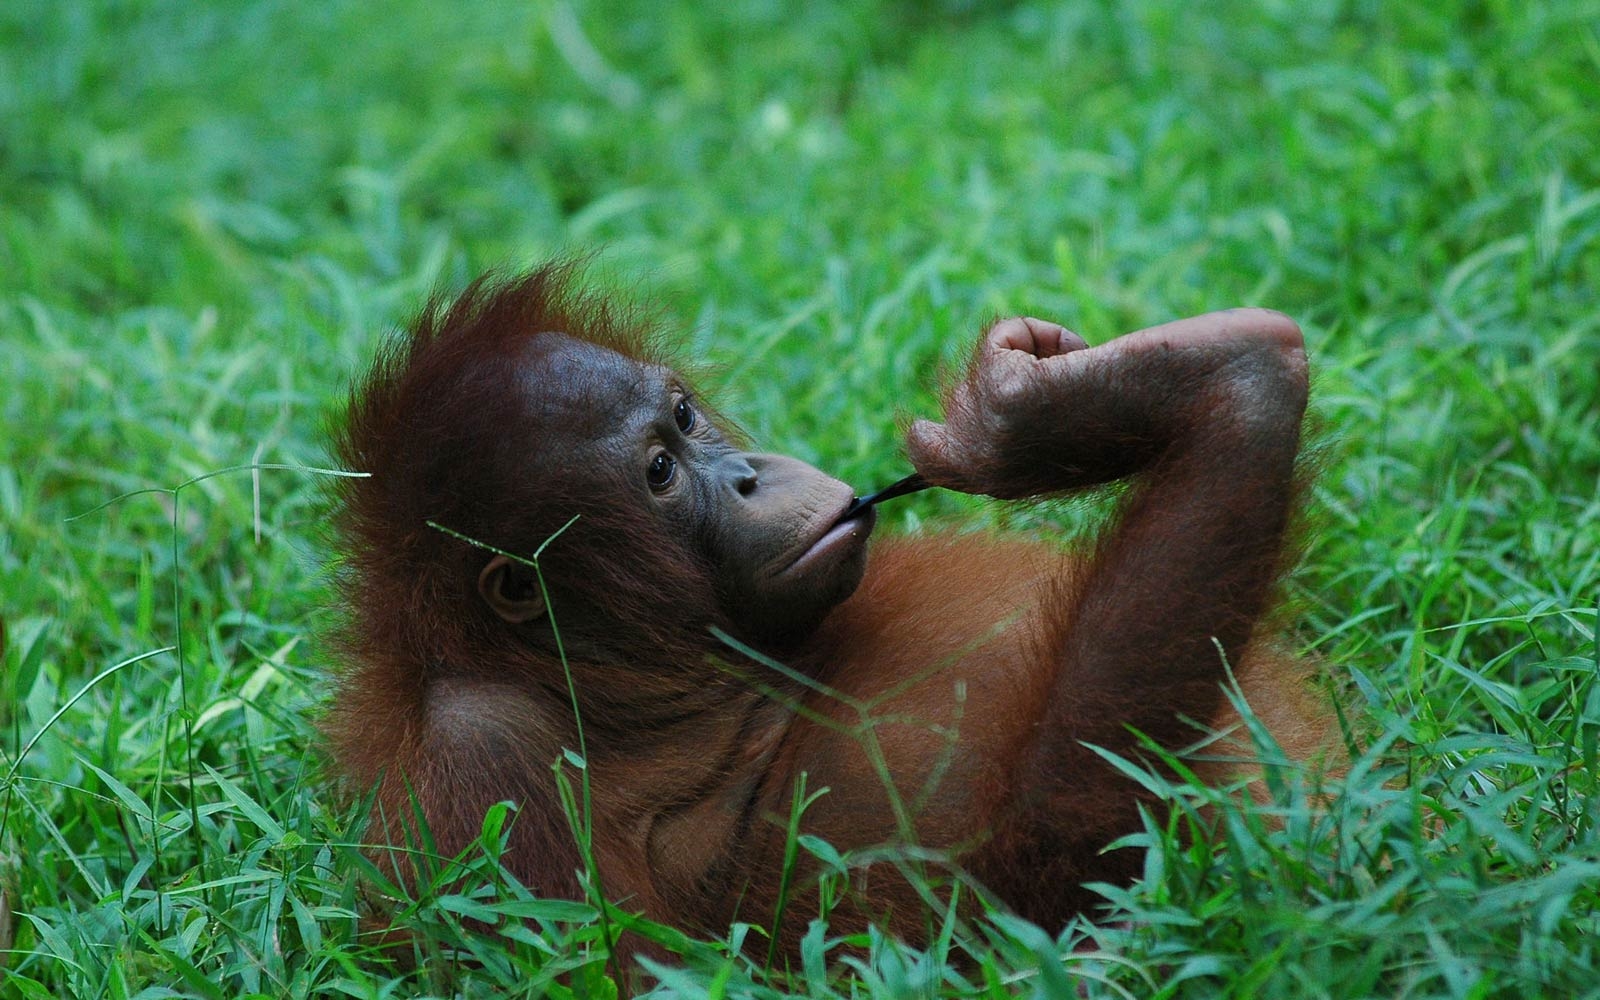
{"x": 526, "y": 406}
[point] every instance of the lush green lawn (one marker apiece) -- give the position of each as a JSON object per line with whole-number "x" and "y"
{"x": 210, "y": 214}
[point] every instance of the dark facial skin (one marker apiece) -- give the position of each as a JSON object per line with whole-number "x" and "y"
{"x": 784, "y": 541}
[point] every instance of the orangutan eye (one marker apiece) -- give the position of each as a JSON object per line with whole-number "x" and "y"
{"x": 683, "y": 413}
{"x": 663, "y": 469}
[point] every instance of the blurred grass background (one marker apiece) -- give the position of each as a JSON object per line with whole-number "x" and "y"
{"x": 210, "y": 215}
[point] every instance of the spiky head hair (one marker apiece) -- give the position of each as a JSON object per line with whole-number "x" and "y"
{"x": 440, "y": 425}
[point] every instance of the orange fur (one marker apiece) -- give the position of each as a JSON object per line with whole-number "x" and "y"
{"x": 944, "y": 706}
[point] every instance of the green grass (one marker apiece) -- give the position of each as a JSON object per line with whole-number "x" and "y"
{"x": 209, "y": 215}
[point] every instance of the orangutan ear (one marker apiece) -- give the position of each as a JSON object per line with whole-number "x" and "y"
{"x": 511, "y": 589}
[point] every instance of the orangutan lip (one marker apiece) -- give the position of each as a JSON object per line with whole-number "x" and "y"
{"x": 851, "y": 522}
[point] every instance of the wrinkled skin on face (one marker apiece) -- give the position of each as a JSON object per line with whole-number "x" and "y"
{"x": 770, "y": 529}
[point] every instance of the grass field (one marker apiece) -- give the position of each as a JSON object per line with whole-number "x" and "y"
{"x": 210, "y": 215}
